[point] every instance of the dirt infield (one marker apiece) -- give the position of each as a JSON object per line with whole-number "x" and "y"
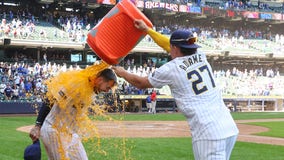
{"x": 175, "y": 129}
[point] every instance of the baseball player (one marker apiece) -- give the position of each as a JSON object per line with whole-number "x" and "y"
{"x": 148, "y": 103}
{"x": 61, "y": 126}
{"x": 153, "y": 101}
{"x": 193, "y": 87}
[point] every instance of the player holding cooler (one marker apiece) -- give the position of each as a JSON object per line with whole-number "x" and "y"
{"x": 189, "y": 75}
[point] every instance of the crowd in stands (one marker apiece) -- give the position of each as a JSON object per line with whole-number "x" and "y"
{"x": 26, "y": 26}
{"x": 231, "y": 4}
{"x": 250, "y": 32}
{"x": 20, "y": 81}
{"x": 17, "y": 27}
{"x": 245, "y": 5}
{"x": 75, "y": 26}
{"x": 240, "y": 5}
{"x": 23, "y": 25}
{"x": 220, "y": 38}
{"x": 73, "y": 31}
{"x": 250, "y": 82}
{"x": 26, "y": 82}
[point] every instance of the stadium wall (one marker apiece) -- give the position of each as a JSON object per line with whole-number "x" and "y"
{"x": 136, "y": 103}
{"x": 19, "y": 107}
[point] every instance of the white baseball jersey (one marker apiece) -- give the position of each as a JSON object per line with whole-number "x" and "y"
{"x": 59, "y": 135}
{"x": 197, "y": 96}
{"x": 60, "y": 129}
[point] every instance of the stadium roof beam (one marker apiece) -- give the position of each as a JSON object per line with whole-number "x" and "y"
{"x": 148, "y": 49}
{"x": 199, "y": 16}
{"x": 92, "y": 5}
{"x": 257, "y": 20}
{"x": 45, "y": 1}
{"x": 169, "y": 13}
{"x": 36, "y": 44}
{"x": 276, "y": 22}
{"x": 234, "y": 19}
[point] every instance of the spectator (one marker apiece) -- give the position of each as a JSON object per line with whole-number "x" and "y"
{"x": 2, "y": 87}
{"x": 15, "y": 89}
{"x": 45, "y": 57}
{"x": 8, "y": 92}
{"x": 22, "y": 93}
{"x": 28, "y": 86}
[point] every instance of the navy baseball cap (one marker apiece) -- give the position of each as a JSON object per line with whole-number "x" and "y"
{"x": 183, "y": 39}
{"x": 33, "y": 151}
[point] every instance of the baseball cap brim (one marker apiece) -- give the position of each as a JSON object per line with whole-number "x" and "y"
{"x": 188, "y": 46}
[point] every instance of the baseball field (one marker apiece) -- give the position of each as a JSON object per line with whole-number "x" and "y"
{"x": 154, "y": 137}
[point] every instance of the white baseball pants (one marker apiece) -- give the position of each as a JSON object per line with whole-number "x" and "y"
{"x": 60, "y": 146}
{"x": 214, "y": 149}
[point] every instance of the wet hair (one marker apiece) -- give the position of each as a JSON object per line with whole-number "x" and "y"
{"x": 188, "y": 51}
{"x": 108, "y": 75}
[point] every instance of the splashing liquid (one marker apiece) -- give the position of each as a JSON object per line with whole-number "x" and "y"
{"x": 76, "y": 108}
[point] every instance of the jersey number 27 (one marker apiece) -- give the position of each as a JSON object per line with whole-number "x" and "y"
{"x": 198, "y": 84}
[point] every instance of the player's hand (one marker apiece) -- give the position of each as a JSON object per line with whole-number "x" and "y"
{"x": 140, "y": 24}
{"x": 35, "y": 133}
{"x": 119, "y": 71}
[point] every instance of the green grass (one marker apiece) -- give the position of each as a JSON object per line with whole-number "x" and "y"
{"x": 253, "y": 151}
{"x": 143, "y": 149}
{"x": 276, "y": 129}
{"x": 181, "y": 149}
{"x": 257, "y": 115}
{"x": 14, "y": 142}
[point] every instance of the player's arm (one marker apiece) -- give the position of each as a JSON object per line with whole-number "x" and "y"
{"x": 44, "y": 110}
{"x": 135, "y": 80}
{"x": 161, "y": 40}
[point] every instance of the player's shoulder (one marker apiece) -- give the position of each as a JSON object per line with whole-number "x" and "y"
{"x": 166, "y": 67}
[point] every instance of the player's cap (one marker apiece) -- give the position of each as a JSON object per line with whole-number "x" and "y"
{"x": 33, "y": 151}
{"x": 183, "y": 39}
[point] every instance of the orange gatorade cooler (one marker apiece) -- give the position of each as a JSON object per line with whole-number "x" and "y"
{"x": 115, "y": 35}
